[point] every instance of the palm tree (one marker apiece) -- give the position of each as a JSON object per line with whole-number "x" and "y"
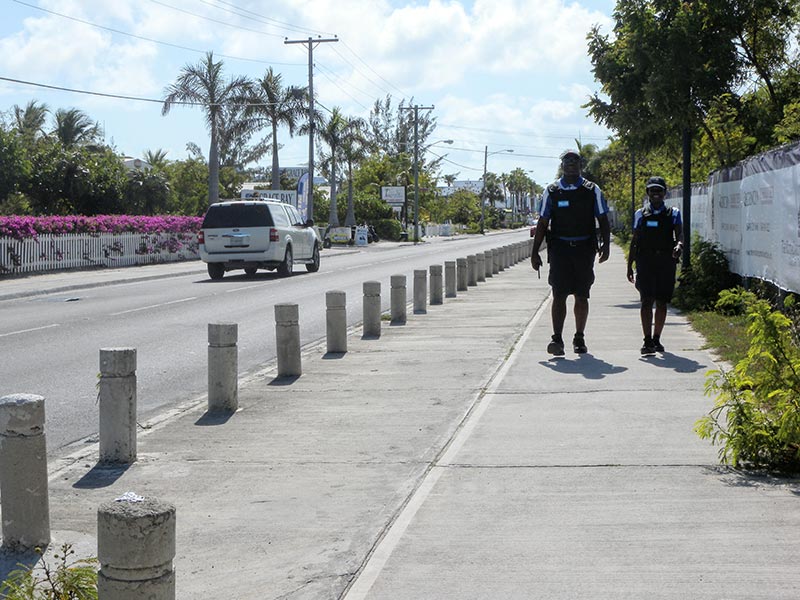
{"x": 30, "y": 120}
{"x": 355, "y": 147}
{"x": 332, "y": 133}
{"x": 74, "y": 127}
{"x": 450, "y": 179}
{"x": 273, "y": 105}
{"x": 203, "y": 84}
{"x": 156, "y": 159}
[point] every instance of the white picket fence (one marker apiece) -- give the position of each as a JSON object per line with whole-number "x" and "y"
{"x": 70, "y": 251}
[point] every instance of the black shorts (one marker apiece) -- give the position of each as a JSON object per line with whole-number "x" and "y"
{"x": 655, "y": 276}
{"x": 571, "y": 267}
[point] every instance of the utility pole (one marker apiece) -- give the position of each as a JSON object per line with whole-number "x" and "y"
{"x": 311, "y": 125}
{"x": 416, "y": 108}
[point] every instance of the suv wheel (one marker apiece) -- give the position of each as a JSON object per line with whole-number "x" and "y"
{"x": 313, "y": 266}
{"x": 216, "y": 271}
{"x": 287, "y": 266}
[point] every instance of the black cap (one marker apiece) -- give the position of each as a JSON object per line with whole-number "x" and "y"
{"x": 567, "y": 152}
{"x": 656, "y": 182}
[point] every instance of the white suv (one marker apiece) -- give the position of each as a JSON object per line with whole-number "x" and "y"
{"x": 256, "y": 234}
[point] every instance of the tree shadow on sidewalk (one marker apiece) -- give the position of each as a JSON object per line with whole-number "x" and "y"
{"x": 585, "y": 365}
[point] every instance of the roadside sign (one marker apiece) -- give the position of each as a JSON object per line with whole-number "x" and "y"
{"x": 393, "y": 195}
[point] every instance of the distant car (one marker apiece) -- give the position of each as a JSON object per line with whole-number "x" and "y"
{"x": 533, "y": 229}
{"x": 257, "y": 234}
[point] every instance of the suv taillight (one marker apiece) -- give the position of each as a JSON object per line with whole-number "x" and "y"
{"x": 201, "y": 237}
{"x": 273, "y": 235}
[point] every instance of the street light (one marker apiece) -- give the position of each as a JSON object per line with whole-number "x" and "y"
{"x": 416, "y": 181}
{"x": 486, "y": 155}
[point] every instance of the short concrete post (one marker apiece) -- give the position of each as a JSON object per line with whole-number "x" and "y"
{"x": 495, "y": 261}
{"x": 481, "y": 268}
{"x": 223, "y": 367}
{"x": 472, "y": 270}
{"x": 461, "y": 274}
{"x": 135, "y": 548}
{"x": 501, "y": 259}
{"x": 449, "y": 279}
{"x": 420, "y": 291}
{"x": 398, "y": 299}
{"x": 436, "y": 284}
{"x": 488, "y": 260}
{"x": 117, "y": 400}
{"x": 23, "y": 472}
{"x": 287, "y": 340}
{"x": 336, "y": 320}
{"x": 372, "y": 308}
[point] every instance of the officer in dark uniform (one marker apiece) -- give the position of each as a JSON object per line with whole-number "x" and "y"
{"x": 570, "y": 207}
{"x": 655, "y": 248}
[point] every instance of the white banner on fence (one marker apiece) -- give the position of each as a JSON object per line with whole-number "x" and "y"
{"x": 752, "y": 210}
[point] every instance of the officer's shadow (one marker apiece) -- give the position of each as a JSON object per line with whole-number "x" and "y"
{"x": 679, "y": 364}
{"x": 587, "y": 365}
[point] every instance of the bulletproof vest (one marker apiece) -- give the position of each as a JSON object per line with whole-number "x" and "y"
{"x": 656, "y": 231}
{"x": 572, "y": 211}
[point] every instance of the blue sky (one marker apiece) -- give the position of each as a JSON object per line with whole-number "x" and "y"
{"x": 507, "y": 74}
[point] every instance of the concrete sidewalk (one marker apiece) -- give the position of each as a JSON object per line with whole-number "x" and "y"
{"x": 453, "y": 458}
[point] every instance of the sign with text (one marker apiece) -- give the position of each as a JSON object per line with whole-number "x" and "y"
{"x": 393, "y": 195}
{"x": 285, "y": 196}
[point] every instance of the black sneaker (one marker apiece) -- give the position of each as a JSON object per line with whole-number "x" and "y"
{"x": 657, "y": 345}
{"x": 648, "y": 347}
{"x": 556, "y": 346}
{"x": 579, "y": 344}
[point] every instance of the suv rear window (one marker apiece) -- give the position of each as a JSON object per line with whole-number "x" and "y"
{"x": 237, "y": 215}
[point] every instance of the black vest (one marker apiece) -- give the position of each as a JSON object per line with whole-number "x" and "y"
{"x": 572, "y": 211}
{"x": 656, "y": 231}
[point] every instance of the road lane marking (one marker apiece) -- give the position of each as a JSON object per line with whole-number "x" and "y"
{"x": 125, "y": 312}
{"x": 29, "y": 330}
{"x": 247, "y": 287}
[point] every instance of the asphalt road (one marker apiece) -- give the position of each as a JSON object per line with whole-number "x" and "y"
{"x": 49, "y": 343}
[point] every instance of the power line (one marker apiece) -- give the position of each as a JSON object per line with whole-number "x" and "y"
{"x": 521, "y": 132}
{"x": 122, "y": 97}
{"x": 212, "y": 20}
{"x": 243, "y": 12}
{"x": 353, "y": 52}
{"x": 151, "y": 40}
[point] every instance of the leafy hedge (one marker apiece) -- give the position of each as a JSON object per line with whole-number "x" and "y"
{"x": 24, "y": 227}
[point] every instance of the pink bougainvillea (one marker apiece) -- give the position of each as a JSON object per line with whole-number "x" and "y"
{"x": 22, "y": 228}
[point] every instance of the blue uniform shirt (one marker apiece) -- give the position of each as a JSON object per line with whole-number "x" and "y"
{"x": 600, "y": 204}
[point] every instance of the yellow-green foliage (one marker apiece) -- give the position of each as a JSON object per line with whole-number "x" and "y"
{"x": 756, "y": 417}
{"x": 69, "y": 580}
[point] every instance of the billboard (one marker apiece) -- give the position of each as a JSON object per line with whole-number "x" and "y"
{"x": 285, "y": 196}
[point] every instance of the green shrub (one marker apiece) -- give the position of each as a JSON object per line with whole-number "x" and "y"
{"x": 734, "y": 301}
{"x": 389, "y": 229}
{"x": 70, "y": 580}
{"x": 756, "y": 416}
{"x": 708, "y": 274}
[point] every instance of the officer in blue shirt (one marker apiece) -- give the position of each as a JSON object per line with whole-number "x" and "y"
{"x": 570, "y": 208}
{"x": 655, "y": 248}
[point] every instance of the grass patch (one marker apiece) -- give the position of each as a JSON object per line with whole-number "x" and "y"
{"x": 726, "y": 335}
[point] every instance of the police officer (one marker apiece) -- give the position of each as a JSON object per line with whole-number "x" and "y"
{"x": 655, "y": 248}
{"x": 570, "y": 206}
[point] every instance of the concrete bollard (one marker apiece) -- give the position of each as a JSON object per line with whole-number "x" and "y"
{"x": 461, "y": 274}
{"x": 135, "y": 548}
{"x": 450, "y": 279}
{"x": 481, "y": 268}
{"x": 336, "y": 320}
{"x": 23, "y": 472}
{"x": 501, "y": 259}
{"x": 420, "y": 291}
{"x": 117, "y": 400}
{"x": 372, "y": 308}
{"x": 287, "y": 340}
{"x": 436, "y": 284}
{"x": 398, "y": 299}
{"x": 488, "y": 260}
{"x": 495, "y": 261}
{"x": 472, "y": 270}
{"x": 223, "y": 367}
